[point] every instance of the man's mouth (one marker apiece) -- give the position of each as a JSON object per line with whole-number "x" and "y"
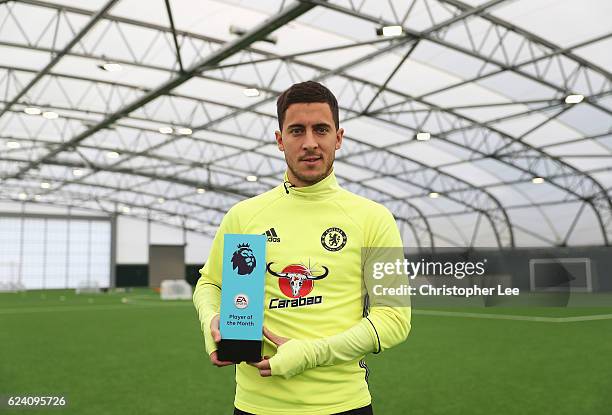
{"x": 311, "y": 159}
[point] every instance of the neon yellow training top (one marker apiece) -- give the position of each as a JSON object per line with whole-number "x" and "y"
{"x": 310, "y": 229}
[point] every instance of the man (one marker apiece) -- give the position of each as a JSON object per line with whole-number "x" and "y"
{"x": 317, "y": 323}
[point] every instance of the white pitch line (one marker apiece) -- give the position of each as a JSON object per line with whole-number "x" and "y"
{"x": 136, "y": 305}
{"x": 47, "y": 309}
{"x": 586, "y": 318}
{"x": 514, "y": 317}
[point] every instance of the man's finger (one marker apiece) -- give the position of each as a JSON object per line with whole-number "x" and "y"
{"x": 265, "y": 373}
{"x": 263, "y": 365}
{"x": 219, "y": 363}
{"x": 214, "y": 329}
{"x": 274, "y": 338}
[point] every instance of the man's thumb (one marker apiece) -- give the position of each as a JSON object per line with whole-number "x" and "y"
{"x": 277, "y": 340}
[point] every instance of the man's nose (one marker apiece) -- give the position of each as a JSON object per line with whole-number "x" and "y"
{"x": 310, "y": 141}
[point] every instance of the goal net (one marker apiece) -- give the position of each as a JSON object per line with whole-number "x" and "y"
{"x": 560, "y": 275}
{"x": 10, "y": 278}
{"x": 175, "y": 290}
{"x": 88, "y": 287}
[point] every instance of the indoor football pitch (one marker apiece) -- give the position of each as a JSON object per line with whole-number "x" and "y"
{"x": 131, "y": 353}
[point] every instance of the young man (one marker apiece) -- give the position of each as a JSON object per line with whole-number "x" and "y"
{"x": 318, "y": 326}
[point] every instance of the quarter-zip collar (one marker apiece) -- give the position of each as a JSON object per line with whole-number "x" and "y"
{"x": 322, "y": 190}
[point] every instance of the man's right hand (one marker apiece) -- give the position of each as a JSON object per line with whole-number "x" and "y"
{"x": 216, "y": 334}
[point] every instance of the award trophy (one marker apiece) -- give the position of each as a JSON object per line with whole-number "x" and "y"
{"x": 242, "y": 297}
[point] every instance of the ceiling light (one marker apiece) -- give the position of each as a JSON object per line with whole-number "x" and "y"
{"x": 110, "y": 67}
{"x": 251, "y": 178}
{"x": 184, "y": 131}
{"x": 574, "y": 99}
{"x": 23, "y": 196}
{"x": 13, "y": 144}
{"x": 125, "y": 209}
{"x": 77, "y": 172}
{"x": 388, "y": 31}
{"x": 423, "y": 136}
{"x": 112, "y": 155}
{"x": 251, "y": 92}
{"x": 434, "y": 195}
{"x": 160, "y": 200}
{"x": 32, "y": 110}
{"x": 165, "y": 130}
{"x": 201, "y": 190}
{"x": 50, "y": 115}
{"x": 45, "y": 185}
{"x": 37, "y": 197}
{"x": 537, "y": 180}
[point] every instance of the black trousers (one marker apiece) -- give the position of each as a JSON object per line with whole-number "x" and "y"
{"x": 366, "y": 410}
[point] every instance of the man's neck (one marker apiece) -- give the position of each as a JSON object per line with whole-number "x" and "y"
{"x": 301, "y": 183}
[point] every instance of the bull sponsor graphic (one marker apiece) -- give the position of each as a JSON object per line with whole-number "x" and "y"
{"x": 243, "y": 259}
{"x": 296, "y": 281}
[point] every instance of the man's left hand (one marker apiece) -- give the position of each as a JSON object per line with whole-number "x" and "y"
{"x": 264, "y": 365}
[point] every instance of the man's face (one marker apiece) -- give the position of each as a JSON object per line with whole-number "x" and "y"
{"x": 309, "y": 140}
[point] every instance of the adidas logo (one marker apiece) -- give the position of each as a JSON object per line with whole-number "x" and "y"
{"x": 272, "y": 236}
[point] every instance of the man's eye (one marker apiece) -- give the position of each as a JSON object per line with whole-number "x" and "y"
{"x": 295, "y": 131}
{"x": 321, "y": 130}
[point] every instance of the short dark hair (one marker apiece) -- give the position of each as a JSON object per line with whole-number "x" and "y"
{"x": 305, "y": 92}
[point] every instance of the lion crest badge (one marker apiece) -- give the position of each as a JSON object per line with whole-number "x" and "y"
{"x": 243, "y": 259}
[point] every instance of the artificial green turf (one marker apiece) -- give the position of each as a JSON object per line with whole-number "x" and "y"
{"x": 131, "y": 359}
{"x": 147, "y": 357}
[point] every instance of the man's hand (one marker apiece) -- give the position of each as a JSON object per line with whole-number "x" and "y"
{"x": 264, "y": 365}
{"x": 216, "y": 334}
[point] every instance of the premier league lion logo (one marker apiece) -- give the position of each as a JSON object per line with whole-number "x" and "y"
{"x": 244, "y": 259}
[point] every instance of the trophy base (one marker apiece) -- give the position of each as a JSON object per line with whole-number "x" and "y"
{"x": 239, "y": 350}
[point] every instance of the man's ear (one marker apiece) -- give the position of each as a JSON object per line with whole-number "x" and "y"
{"x": 339, "y": 137}
{"x": 279, "y": 140}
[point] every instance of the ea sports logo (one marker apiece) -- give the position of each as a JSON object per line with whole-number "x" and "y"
{"x": 241, "y": 301}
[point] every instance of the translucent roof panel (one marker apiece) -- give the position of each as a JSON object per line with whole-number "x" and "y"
{"x": 458, "y": 117}
{"x": 597, "y": 52}
{"x": 555, "y": 20}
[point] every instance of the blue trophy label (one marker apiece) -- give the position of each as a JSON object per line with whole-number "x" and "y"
{"x": 242, "y": 287}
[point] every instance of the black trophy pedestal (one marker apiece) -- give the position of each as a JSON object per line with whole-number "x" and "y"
{"x": 239, "y": 350}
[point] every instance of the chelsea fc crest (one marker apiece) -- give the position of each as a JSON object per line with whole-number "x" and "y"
{"x": 333, "y": 239}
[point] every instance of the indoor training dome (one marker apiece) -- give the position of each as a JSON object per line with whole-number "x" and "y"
{"x": 483, "y": 123}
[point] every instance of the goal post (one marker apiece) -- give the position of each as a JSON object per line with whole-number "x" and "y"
{"x": 175, "y": 290}
{"x": 10, "y": 276}
{"x": 560, "y": 275}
